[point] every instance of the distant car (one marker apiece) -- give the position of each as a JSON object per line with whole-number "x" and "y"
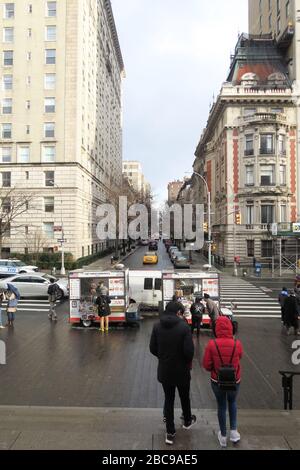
{"x": 8, "y": 267}
{"x": 35, "y": 284}
{"x": 182, "y": 262}
{"x": 168, "y": 243}
{"x": 169, "y": 247}
{"x": 150, "y": 258}
{"x": 153, "y": 246}
{"x": 172, "y": 250}
{"x": 175, "y": 255}
{"x": 144, "y": 242}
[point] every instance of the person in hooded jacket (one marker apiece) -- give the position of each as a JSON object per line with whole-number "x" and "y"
{"x": 281, "y": 299}
{"x": 291, "y": 315}
{"x": 171, "y": 342}
{"x": 228, "y": 346}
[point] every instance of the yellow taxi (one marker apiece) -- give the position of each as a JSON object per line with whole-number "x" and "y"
{"x": 150, "y": 258}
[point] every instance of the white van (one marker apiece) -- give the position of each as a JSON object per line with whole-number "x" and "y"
{"x": 145, "y": 287}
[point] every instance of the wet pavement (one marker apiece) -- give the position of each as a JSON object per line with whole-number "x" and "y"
{"x": 51, "y": 364}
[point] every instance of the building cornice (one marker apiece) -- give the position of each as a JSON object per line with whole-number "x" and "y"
{"x": 114, "y": 33}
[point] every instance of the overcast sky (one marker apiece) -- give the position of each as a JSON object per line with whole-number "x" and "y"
{"x": 176, "y": 54}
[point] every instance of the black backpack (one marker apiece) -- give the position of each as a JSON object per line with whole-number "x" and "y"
{"x": 226, "y": 374}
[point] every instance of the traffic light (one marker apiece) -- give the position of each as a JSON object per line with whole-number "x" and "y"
{"x": 205, "y": 227}
{"x": 238, "y": 219}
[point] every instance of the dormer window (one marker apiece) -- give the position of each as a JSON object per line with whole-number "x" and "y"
{"x": 249, "y": 80}
{"x": 276, "y": 79}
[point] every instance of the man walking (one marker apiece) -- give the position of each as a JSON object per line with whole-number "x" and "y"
{"x": 197, "y": 310}
{"x": 171, "y": 342}
{"x": 54, "y": 293}
{"x": 212, "y": 309}
{"x": 281, "y": 299}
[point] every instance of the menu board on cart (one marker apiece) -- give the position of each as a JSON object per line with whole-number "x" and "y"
{"x": 168, "y": 289}
{"x": 116, "y": 287}
{"x": 74, "y": 289}
{"x": 211, "y": 287}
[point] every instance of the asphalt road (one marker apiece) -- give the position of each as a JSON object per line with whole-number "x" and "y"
{"x": 135, "y": 261}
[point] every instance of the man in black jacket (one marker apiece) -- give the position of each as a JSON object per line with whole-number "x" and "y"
{"x": 171, "y": 342}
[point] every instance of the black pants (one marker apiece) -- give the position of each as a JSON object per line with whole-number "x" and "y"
{"x": 184, "y": 394}
{"x": 196, "y": 323}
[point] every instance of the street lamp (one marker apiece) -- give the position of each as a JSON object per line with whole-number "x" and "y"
{"x": 62, "y": 270}
{"x": 208, "y": 216}
{"x": 235, "y": 271}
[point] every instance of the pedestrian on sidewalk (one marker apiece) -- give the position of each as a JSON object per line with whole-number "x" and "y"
{"x": 13, "y": 296}
{"x": 224, "y": 351}
{"x": 2, "y": 298}
{"x": 102, "y": 303}
{"x": 212, "y": 309}
{"x": 54, "y": 294}
{"x": 291, "y": 315}
{"x": 197, "y": 310}
{"x": 281, "y": 299}
{"x": 171, "y": 342}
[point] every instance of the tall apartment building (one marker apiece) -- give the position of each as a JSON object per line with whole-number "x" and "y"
{"x": 132, "y": 170}
{"x": 61, "y": 130}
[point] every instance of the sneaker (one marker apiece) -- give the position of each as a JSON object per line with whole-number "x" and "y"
{"x": 235, "y": 436}
{"x": 222, "y": 440}
{"x": 170, "y": 439}
{"x": 190, "y": 423}
{"x": 106, "y": 329}
{"x": 101, "y": 329}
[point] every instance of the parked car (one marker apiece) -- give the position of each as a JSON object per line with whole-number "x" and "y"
{"x": 172, "y": 250}
{"x": 170, "y": 247}
{"x": 150, "y": 258}
{"x": 175, "y": 255}
{"x": 34, "y": 284}
{"x": 8, "y": 267}
{"x": 182, "y": 262}
{"x": 144, "y": 242}
{"x": 153, "y": 246}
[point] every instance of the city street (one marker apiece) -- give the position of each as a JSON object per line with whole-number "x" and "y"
{"x": 54, "y": 364}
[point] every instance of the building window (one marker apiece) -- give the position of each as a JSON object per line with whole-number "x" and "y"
{"x": 6, "y": 131}
{"x": 283, "y": 213}
{"x": 270, "y": 22}
{"x": 288, "y": 8}
{"x": 23, "y": 154}
{"x": 266, "y": 248}
{"x": 249, "y": 144}
{"x": 51, "y": 9}
{"x": 28, "y": 105}
{"x": 27, "y": 175}
{"x": 6, "y": 204}
{"x": 250, "y": 175}
{"x": 282, "y": 175}
{"x": 48, "y": 153}
{"x": 6, "y": 179}
{"x": 49, "y": 81}
{"x": 48, "y": 229}
{"x": 49, "y": 178}
{"x": 282, "y": 144}
{"x": 49, "y": 204}
{"x": 8, "y": 58}
{"x": 30, "y": 8}
{"x": 29, "y": 32}
{"x": 27, "y": 129}
{"x": 28, "y": 55}
{"x": 250, "y": 214}
{"x": 267, "y": 175}
{"x": 8, "y": 34}
{"x": 50, "y": 56}
{"x": 7, "y": 82}
{"x": 278, "y": 25}
{"x": 250, "y": 248}
{"x": 49, "y": 129}
{"x": 6, "y": 154}
{"x": 267, "y": 214}
{"x": 9, "y": 10}
{"x": 49, "y": 105}
{"x": 50, "y": 33}
{"x": 266, "y": 144}
{"x": 7, "y": 106}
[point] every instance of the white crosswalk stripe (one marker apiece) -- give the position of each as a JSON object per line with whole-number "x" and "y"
{"x": 30, "y": 305}
{"x": 251, "y": 301}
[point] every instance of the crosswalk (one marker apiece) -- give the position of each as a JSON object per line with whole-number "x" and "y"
{"x": 30, "y": 306}
{"x": 251, "y": 301}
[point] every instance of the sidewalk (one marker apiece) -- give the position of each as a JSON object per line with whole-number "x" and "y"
{"x": 47, "y": 428}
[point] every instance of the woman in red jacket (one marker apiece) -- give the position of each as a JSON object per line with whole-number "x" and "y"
{"x": 228, "y": 348}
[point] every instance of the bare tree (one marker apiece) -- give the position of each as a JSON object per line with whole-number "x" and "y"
{"x": 36, "y": 241}
{"x": 14, "y": 204}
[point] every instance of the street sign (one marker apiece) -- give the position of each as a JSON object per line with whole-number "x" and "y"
{"x": 62, "y": 240}
{"x": 296, "y": 228}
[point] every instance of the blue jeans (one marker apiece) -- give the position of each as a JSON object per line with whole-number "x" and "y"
{"x": 222, "y": 398}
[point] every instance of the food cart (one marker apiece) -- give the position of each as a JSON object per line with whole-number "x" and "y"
{"x": 187, "y": 286}
{"x": 85, "y": 287}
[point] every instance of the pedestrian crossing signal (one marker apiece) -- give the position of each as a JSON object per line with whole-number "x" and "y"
{"x": 238, "y": 219}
